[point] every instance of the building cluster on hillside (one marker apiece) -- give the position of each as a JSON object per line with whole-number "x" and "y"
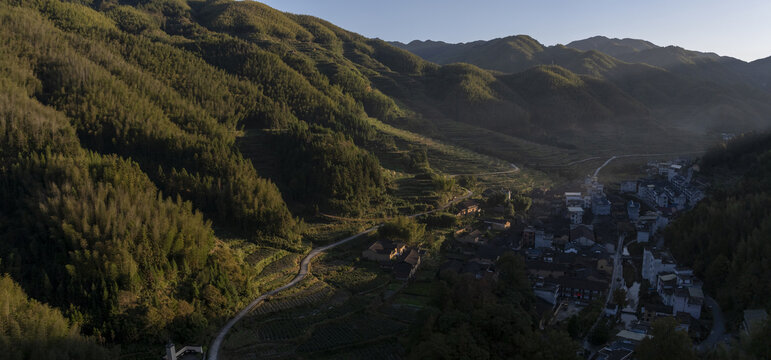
{"x": 670, "y": 186}
{"x": 593, "y": 197}
{"x": 679, "y": 291}
{"x": 394, "y": 256}
{"x": 478, "y": 246}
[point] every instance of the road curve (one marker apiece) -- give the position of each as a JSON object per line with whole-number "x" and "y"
{"x": 305, "y": 265}
{"x": 717, "y": 334}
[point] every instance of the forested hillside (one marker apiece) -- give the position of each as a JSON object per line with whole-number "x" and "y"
{"x": 131, "y": 132}
{"x": 143, "y": 142}
{"x": 726, "y": 237}
{"x": 30, "y": 330}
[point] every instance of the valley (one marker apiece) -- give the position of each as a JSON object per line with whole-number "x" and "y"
{"x": 251, "y": 183}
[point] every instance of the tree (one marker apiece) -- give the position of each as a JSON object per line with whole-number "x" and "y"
{"x": 404, "y": 229}
{"x": 619, "y": 298}
{"x": 666, "y": 342}
{"x": 521, "y": 203}
{"x": 31, "y": 330}
{"x": 467, "y": 181}
{"x": 600, "y": 334}
{"x": 758, "y": 346}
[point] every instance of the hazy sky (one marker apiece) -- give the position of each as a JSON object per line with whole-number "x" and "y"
{"x": 738, "y": 28}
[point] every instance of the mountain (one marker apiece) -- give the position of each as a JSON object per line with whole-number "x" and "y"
{"x": 699, "y": 65}
{"x": 151, "y": 150}
{"x": 148, "y": 149}
{"x": 510, "y": 54}
{"x": 641, "y": 51}
{"x": 695, "y": 92}
{"x": 761, "y": 72}
{"x": 612, "y": 47}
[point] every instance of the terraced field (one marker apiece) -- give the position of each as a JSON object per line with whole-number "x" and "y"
{"x": 352, "y": 329}
{"x": 341, "y": 316}
{"x": 316, "y": 293}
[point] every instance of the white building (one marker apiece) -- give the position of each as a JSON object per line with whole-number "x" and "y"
{"x": 629, "y": 186}
{"x": 576, "y": 214}
{"x": 655, "y": 262}
{"x": 574, "y": 199}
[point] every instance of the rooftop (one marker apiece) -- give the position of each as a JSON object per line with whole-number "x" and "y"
{"x": 582, "y": 231}
{"x": 384, "y": 246}
{"x": 667, "y": 277}
{"x": 695, "y": 292}
{"x": 412, "y": 258}
{"x": 626, "y": 334}
{"x": 754, "y": 316}
{"x": 583, "y": 284}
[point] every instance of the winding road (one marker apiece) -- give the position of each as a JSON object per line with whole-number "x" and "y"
{"x": 717, "y": 334}
{"x": 305, "y": 265}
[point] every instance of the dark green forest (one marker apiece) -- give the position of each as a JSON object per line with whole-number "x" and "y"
{"x": 119, "y": 160}
{"x": 31, "y": 330}
{"x": 487, "y": 319}
{"x": 127, "y": 152}
{"x": 725, "y": 238}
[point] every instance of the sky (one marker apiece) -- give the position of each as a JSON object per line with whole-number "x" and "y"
{"x": 737, "y": 28}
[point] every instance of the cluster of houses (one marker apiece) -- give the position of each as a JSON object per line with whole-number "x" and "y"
{"x": 670, "y": 186}
{"x": 645, "y": 225}
{"x": 679, "y": 290}
{"x": 568, "y": 261}
{"x": 556, "y": 275}
{"x": 476, "y": 251}
{"x": 577, "y": 265}
{"x": 478, "y": 247}
{"x": 593, "y": 197}
{"x": 394, "y": 256}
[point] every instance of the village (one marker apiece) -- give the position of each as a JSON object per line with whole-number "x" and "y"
{"x": 595, "y": 256}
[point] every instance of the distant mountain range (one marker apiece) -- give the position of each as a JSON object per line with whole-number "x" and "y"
{"x": 688, "y": 89}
